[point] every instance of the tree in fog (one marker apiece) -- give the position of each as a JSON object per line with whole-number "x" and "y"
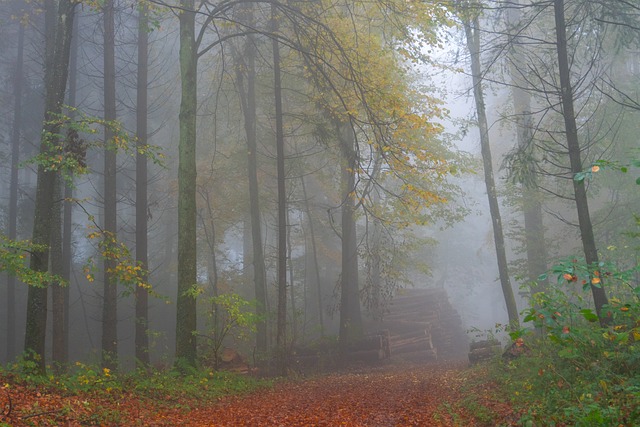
{"x": 59, "y": 18}
{"x": 472, "y": 33}
{"x": 531, "y": 196}
{"x": 246, "y": 68}
{"x": 110, "y": 285}
{"x": 561, "y": 84}
{"x": 574, "y": 148}
{"x": 282, "y": 199}
{"x": 142, "y": 206}
{"x": 18, "y": 85}
{"x": 186, "y": 323}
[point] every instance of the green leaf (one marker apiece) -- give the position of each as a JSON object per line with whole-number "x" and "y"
{"x": 579, "y": 177}
{"x": 589, "y": 315}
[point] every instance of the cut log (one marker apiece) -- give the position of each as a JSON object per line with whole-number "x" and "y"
{"x": 418, "y": 345}
{"x": 411, "y": 334}
{"x": 425, "y": 340}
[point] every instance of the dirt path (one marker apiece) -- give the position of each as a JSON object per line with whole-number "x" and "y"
{"x": 425, "y": 396}
{"x": 431, "y": 395}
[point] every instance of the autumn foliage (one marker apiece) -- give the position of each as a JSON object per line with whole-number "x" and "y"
{"x": 428, "y": 395}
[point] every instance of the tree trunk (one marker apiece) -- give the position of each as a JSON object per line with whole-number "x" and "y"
{"x": 573, "y": 144}
{"x": 110, "y": 295}
{"x": 282, "y": 206}
{"x": 186, "y": 302}
{"x": 58, "y": 32}
{"x": 142, "y": 294}
{"x": 292, "y": 293}
{"x": 316, "y": 265}
{"x": 248, "y": 102}
{"x": 531, "y": 204}
{"x": 350, "y": 314}
{"x": 473, "y": 44}
{"x": 67, "y": 256}
{"x": 13, "y": 190}
{"x": 59, "y": 350}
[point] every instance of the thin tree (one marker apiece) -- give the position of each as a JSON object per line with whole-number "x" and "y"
{"x": 314, "y": 252}
{"x": 472, "y": 32}
{"x": 573, "y": 144}
{"x": 110, "y": 295}
{"x": 142, "y": 258}
{"x": 531, "y": 196}
{"x": 13, "y": 188}
{"x": 247, "y": 62}
{"x": 282, "y": 202}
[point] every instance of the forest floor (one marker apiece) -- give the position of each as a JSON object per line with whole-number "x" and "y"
{"x": 427, "y": 395}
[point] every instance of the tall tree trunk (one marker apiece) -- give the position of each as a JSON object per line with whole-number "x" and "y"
{"x": 375, "y": 261}
{"x": 13, "y": 190}
{"x": 350, "y": 313}
{"x": 67, "y": 256}
{"x": 472, "y": 32}
{"x": 535, "y": 246}
{"x": 316, "y": 265}
{"x": 59, "y": 350}
{"x": 292, "y": 293}
{"x": 186, "y": 303}
{"x": 58, "y": 32}
{"x": 110, "y": 296}
{"x": 142, "y": 294}
{"x": 248, "y": 102}
{"x": 282, "y": 204}
{"x": 571, "y": 129}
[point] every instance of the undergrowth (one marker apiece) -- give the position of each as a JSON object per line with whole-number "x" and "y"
{"x": 169, "y": 385}
{"x": 576, "y": 370}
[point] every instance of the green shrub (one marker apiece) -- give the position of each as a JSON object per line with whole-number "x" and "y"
{"x": 579, "y": 372}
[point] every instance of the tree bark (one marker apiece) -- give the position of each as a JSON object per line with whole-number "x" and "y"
{"x": 531, "y": 204}
{"x": 58, "y": 31}
{"x": 110, "y": 293}
{"x": 59, "y": 341}
{"x": 580, "y": 193}
{"x": 248, "y": 102}
{"x": 187, "y": 276}
{"x": 472, "y": 32}
{"x": 142, "y": 258}
{"x": 316, "y": 264}
{"x": 350, "y": 313}
{"x": 282, "y": 205}
{"x": 13, "y": 191}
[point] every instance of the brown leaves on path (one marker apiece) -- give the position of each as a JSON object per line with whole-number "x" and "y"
{"x": 430, "y": 395}
{"x": 419, "y": 396}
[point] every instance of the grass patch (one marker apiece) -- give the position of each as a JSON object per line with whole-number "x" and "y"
{"x": 167, "y": 385}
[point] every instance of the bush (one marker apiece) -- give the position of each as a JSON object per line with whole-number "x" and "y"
{"x": 579, "y": 372}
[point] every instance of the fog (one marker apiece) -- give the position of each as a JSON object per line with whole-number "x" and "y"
{"x": 384, "y": 203}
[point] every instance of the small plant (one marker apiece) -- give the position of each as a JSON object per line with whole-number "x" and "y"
{"x": 230, "y": 316}
{"x": 580, "y": 373}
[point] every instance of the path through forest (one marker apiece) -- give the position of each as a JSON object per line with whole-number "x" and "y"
{"x": 431, "y": 395}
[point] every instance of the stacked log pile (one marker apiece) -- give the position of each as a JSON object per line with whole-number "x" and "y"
{"x": 371, "y": 348}
{"x": 423, "y": 326}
